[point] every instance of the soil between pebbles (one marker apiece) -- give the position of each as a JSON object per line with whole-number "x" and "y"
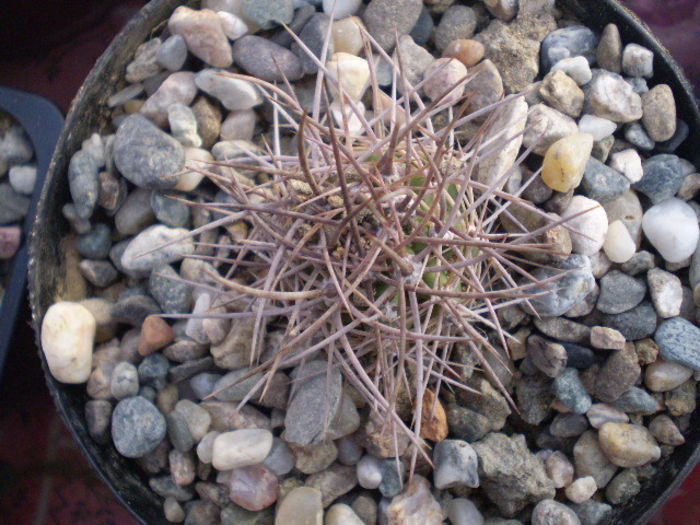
{"x": 602, "y": 393}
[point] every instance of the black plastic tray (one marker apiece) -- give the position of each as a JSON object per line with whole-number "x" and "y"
{"x": 43, "y": 121}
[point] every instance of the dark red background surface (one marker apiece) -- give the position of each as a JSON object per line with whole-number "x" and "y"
{"x": 48, "y": 47}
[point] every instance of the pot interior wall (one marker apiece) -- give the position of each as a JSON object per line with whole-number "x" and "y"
{"x": 88, "y": 114}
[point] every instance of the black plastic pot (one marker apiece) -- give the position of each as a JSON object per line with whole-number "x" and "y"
{"x": 88, "y": 114}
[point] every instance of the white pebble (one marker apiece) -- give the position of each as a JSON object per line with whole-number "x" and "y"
{"x": 342, "y": 514}
{"x": 619, "y": 246}
{"x": 672, "y": 228}
{"x": 589, "y": 228}
{"x": 234, "y": 27}
{"x": 599, "y": 127}
{"x": 233, "y": 93}
{"x": 629, "y": 163}
{"x": 205, "y": 447}
{"x": 581, "y": 490}
{"x": 135, "y": 258}
{"x": 239, "y": 125}
{"x": 663, "y": 376}
{"x": 638, "y": 61}
{"x": 120, "y": 97}
{"x": 23, "y": 178}
{"x": 344, "y": 116}
{"x": 196, "y": 158}
{"x": 343, "y": 8}
{"x": 67, "y": 337}
{"x": 241, "y": 448}
{"x": 369, "y": 472}
{"x": 666, "y": 292}
{"x": 461, "y": 511}
{"x": 350, "y": 72}
{"x": 600, "y": 413}
{"x": 577, "y": 68}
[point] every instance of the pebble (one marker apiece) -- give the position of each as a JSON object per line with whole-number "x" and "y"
{"x": 280, "y": 459}
{"x": 135, "y": 214}
{"x": 252, "y": 487}
{"x": 468, "y": 52}
{"x": 637, "y": 401}
{"x": 559, "y": 469}
{"x": 316, "y": 398}
{"x": 23, "y": 178}
{"x": 351, "y": 72}
{"x": 568, "y": 42}
{"x": 589, "y": 460}
{"x": 570, "y": 289}
{"x": 636, "y": 135}
{"x": 197, "y": 418}
{"x": 233, "y": 93}
{"x": 266, "y": 60}
{"x": 231, "y": 388}
{"x": 619, "y": 292}
{"x": 67, "y": 336}
{"x": 177, "y": 87}
{"x": 568, "y": 425}
{"x": 156, "y": 333}
{"x": 347, "y": 35}
{"x": 124, "y": 381}
{"x": 659, "y": 116}
{"x": 637, "y": 61}
{"x": 133, "y": 258}
{"x": 600, "y": 128}
{"x": 173, "y": 510}
{"x": 201, "y": 512}
{"x": 577, "y": 68}
{"x": 302, "y": 506}
{"x": 369, "y": 472}
{"x": 606, "y": 338}
{"x": 666, "y": 292}
{"x": 96, "y": 243}
{"x": 663, "y": 376}
{"x": 137, "y": 427}
{"x": 386, "y": 18}
{"x": 84, "y": 183}
{"x": 179, "y": 432}
{"x": 144, "y": 64}
{"x": 628, "y": 445}
{"x": 545, "y": 126}
{"x": 550, "y": 512}
{"x": 341, "y": 514}
{"x": 579, "y": 357}
{"x": 341, "y": 8}
{"x": 13, "y": 206}
{"x": 665, "y": 431}
{"x": 183, "y": 125}
{"x": 145, "y": 155}
{"x": 609, "y": 52}
{"x": 589, "y": 224}
{"x": 591, "y": 512}
{"x": 349, "y": 452}
{"x": 681, "y": 401}
{"x": 205, "y": 448}
{"x": 415, "y": 59}
{"x": 565, "y": 162}
{"x": 234, "y": 27}
{"x": 678, "y": 341}
{"x": 672, "y": 228}
{"x": 98, "y": 413}
{"x": 614, "y": 99}
{"x": 172, "y": 296}
{"x": 182, "y": 467}
{"x": 457, "y": 23}
{"x": 333, "y": 482}
{"x": 548, "y": 357}
{"x": 203, "y": 35}
{"x": 268, "y": 13}
{"x": 602, "y": 183}
{"x": 241, "y": 448}
{"x": 455, "y": 464}
{"x": 663, "y": 177}
{"x": 169, "y": 211}
{"x": 629, "y": 163}
{"x": 623, "y": 487}
{"x": 569, "y": 389}
{"x": 415, "y": 505}
{"x": 619, "y": 245}
{"x": 313, "y": 35}
{"x": 98, "y": 273}
{"x": 461, "y": 511}
{"x": 581, "y": 490}
{"x": 15, "y": 147}
{"x": 618, "y": 374}
{"x": 172, "y": 53}
{"x": 562, "y": 93}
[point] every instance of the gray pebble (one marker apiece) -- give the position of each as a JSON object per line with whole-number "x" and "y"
{"x": 189, "y": 368}
{"x": 153, "y": 371}
{"x": 135, "y": 214}
{"x": 466, "y": 423}
{"x": 179, "y": 431}
{"x": 550, "y": 512}
{"x": 456, "y": 465}
{"x": 639, "y": 85}
{"x": 268, "y": 13}
{"x": 579, "y": 357}
{"x": 670, "y": 145}
{"x": 679, "y": 342}
{"x": 233, "y": 388}
{"x": 171, "y": 295}
{"x": 137, "y": 427}
{"x": 637, "y": 401}
{"x": 144, "y": 64}
{"x": 609, "y": 52}
{"x": 634, "y": 324}
{"x": 663, "y": 176}
{"x": 619, "y": 292}
{"x": 169, "y": 211}
{"x": 301, "y": 16}
{"x": 623, "y": 487}
{"x": 313, "y": 35}
{"x": 639, "y": 263}
{"x": 568, "y": 42}
{"x": 618, "y": 374}
{"x": 393, "y": 477}
{"x": 84, "y": 183}
{"x": 172, "y": 53}
{"x": 23, "y": 178}
{"x": 386, "y": 18}
{"x": 124, "y": 381}
{"x": 568, "y": 425}
{"x": 569, "y": 389}
{"x": 567, "y": 291}
{"x": 183, "y": 125}
{"x": 458, "y": 22}
{"x": 602, "y": 183}
{"x": 15, "y": 147}
{"x": 96, "y": 243}
{"x": 134, "y": 309}
{"x": 547, "y": 356}
{"x": 636, "y": 135}
{"x": 264, "y": 59}
{"x": 534, "y": 397}
{"x": 98, "y": 273}
{"x": 165, "y": 487}
{"x": 423, "y": 29}
{"x": 13, "y": 206}
{"x": 146, "y": 155}
{"x": 591, "y": 512}
{"x": 637, "y": 61}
